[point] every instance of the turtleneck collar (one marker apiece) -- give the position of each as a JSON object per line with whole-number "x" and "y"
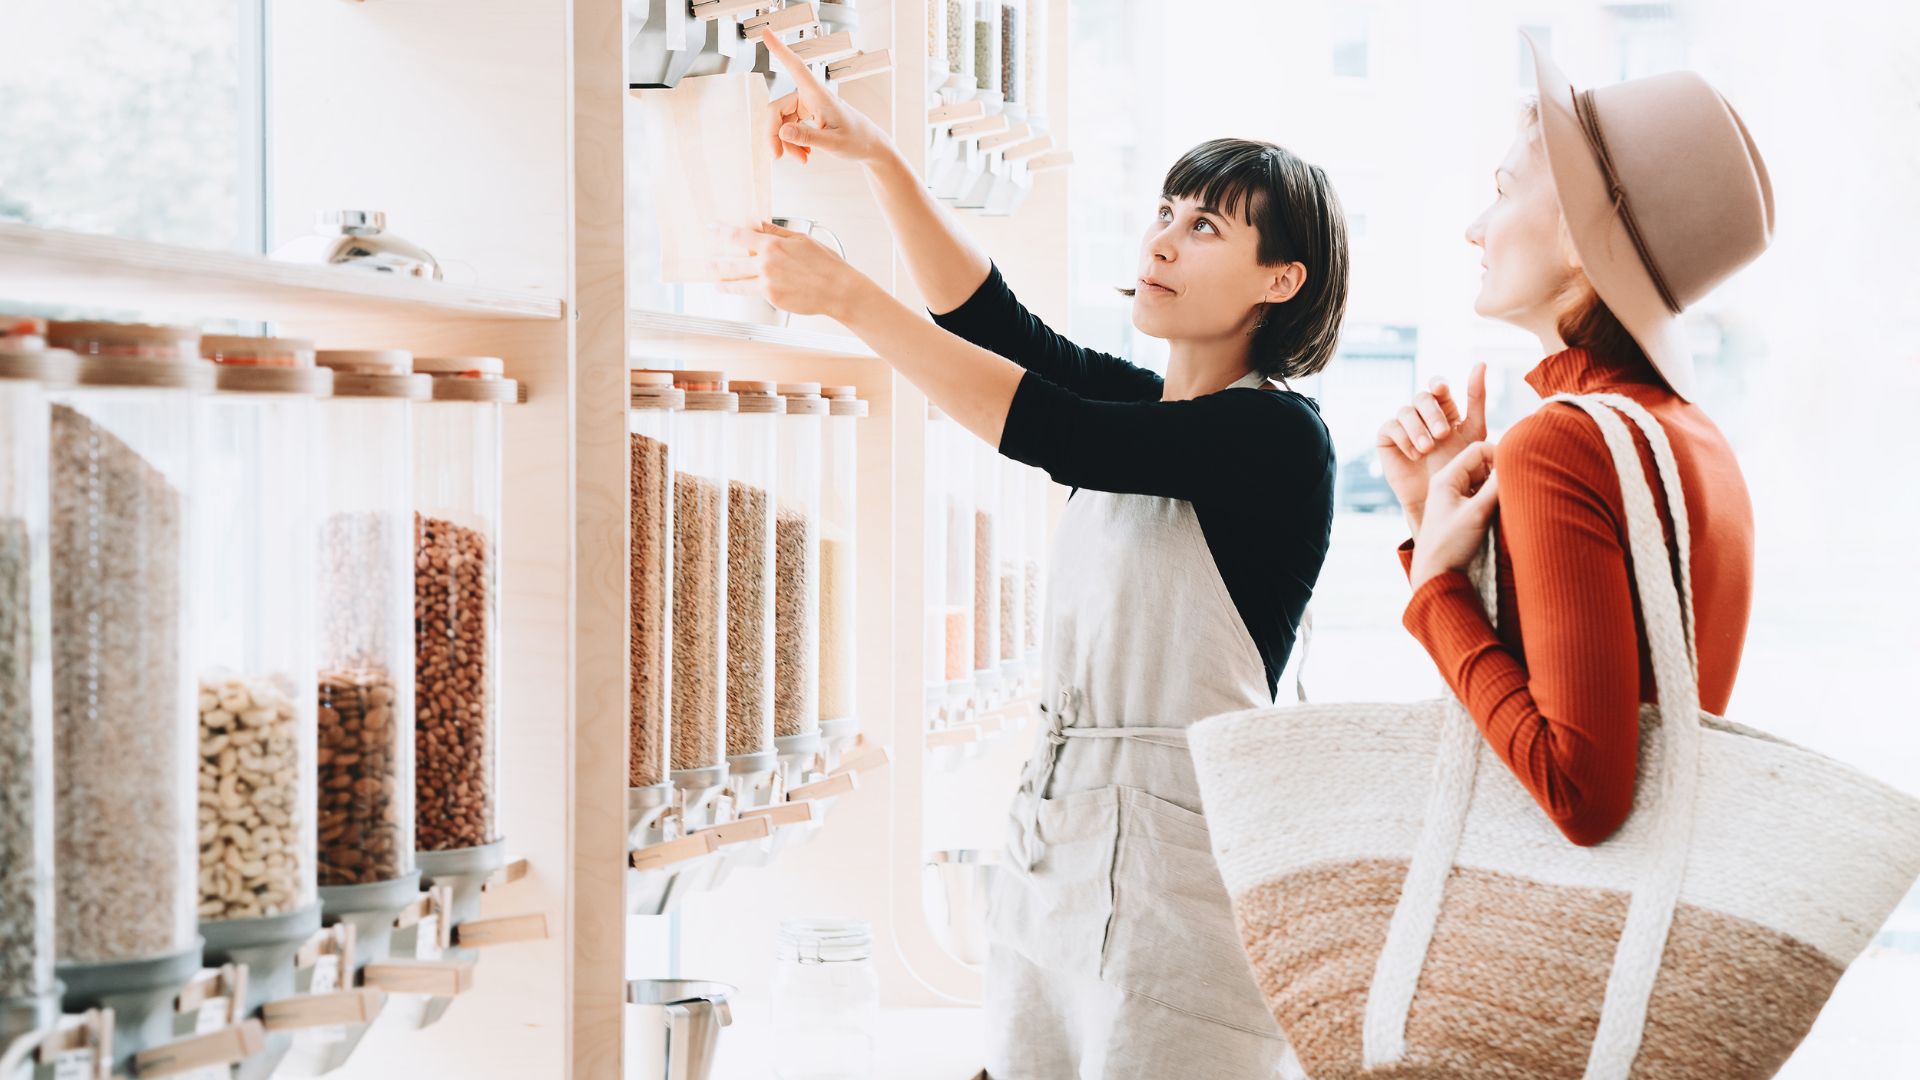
{"x": 1576, "y": 371}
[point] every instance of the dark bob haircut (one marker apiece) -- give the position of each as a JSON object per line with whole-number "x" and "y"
{"x": 1293, "y": 206}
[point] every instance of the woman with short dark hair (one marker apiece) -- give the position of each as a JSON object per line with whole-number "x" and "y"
{"x": 1197, "y": 527}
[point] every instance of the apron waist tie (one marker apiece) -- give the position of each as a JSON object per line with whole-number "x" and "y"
{"x": 1057, "y": 736}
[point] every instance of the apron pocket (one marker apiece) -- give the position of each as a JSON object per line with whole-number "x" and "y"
{"x": 1056, "y": 916}
{"x": 1173, "y": 938}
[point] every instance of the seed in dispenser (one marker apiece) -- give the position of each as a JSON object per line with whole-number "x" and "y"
{"x": 26, "y": 961}
{"x": 650, "y": 493}
{"x": 836, "y": 628}
{"x": 1009, "y": 625}
{"x": 251, "y": 805}
{"x": 984, "y": 643}
{"x": 359, "y": 832}
{"x": 959, "y": 34}
{"x": 958, "y": 638}
{"x": 699, "y": 598}
{"x": 749, "y": 621}
{"x": 453, "y": 756}
{"x": 117, "y": 697}
{"x": 796, "y": 644}
{"x": 983, "y": 73}
{"x": 1030, "y": 608}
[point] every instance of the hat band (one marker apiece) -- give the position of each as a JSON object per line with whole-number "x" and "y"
{"x": 1590, "y": 124}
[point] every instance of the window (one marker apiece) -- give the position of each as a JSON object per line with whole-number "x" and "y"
{"x": 1349, "y": 43}
{"x": 136, "y": 119}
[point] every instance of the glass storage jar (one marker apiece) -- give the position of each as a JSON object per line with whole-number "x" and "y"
{"x": 698, "y": 730}
{"x": 366, "y": 620}
{"x": 826, "y": 1000}
{"x": 125, "y": 753}
{"x": 254, "y": 640}
{"x": 653, "y": 404}
{"x": 797, "y": 569}
{"x": 28, "y": 369}
{"x": 753, "y": 473}
{"x": 839, "y": 562}
{"x": 457, "y": 476}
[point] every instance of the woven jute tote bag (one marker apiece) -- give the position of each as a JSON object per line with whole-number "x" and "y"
{"x": 1410, "y": 912}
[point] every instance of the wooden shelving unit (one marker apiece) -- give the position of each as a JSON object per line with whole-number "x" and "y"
{"x": 496, "y": 137}
{"x": 56, "y": 267}
{"x": 694, "y": 338}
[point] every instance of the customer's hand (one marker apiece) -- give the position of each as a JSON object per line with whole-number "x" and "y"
{"x": 793, "y": 271}
{"x": 1459, "y": 506}
{"x": 812, "y": 118}
{"x": 1420, "y": 439}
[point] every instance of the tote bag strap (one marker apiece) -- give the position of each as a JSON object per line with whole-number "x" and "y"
{"x": 1670, "y": 802}
{"x": 1396, "y": 971}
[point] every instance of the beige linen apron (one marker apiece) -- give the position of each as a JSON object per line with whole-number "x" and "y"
{"x": 1113, "y": 947}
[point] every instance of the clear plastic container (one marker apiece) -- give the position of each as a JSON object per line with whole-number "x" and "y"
{"x": 27, "y": 371}
{"x": 753, "y": 476}
{"x": 254, "y": 604}
{"x": 653, "y": 408}
{"x": 839, "y": 561}
{"x": 698, "y": 729}
{"x": 826, "y": 1000}
{"x": 124, "y": 695}
{"x": 366, "y": 619}
{"x": 956, "y": 485}
{"x": 796, "y": 710}
{"x": 937, "y": 33}
{"x": 457, "y": 441}
{"x": 987, "y": 506}
{"x": 1010, "y": 562}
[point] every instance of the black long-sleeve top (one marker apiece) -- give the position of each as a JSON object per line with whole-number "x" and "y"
{"x": 1257, "y": 464}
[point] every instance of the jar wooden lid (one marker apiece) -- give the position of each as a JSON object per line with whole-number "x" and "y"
{"x": 475, "y": 379}
{"x": 246, "y": 351}
{"x": 48, "y": 367}
{"x": 712, "y": 401}
{"x": 375, "y": 373}
{"x": 265, "y": 365}
{"x": 136, "y": 355}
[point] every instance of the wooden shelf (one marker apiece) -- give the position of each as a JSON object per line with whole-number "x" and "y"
{"x": 56, "y": 267}
{"x": 693, "y": 337}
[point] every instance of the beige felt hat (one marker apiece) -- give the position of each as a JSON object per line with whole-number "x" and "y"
{"x": 1664, "y": 194}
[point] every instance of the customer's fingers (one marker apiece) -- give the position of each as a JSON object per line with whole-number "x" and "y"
{"x": 1439, "y": 425}
{"x": 1394, "y": 435}
{"x": 1416, "y": 425}
{"x": 1443, "y": 395}
{"x": 1467, "y": 471}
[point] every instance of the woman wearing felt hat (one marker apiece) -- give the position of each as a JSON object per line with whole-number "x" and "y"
{"x": 1616, "y": 208}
